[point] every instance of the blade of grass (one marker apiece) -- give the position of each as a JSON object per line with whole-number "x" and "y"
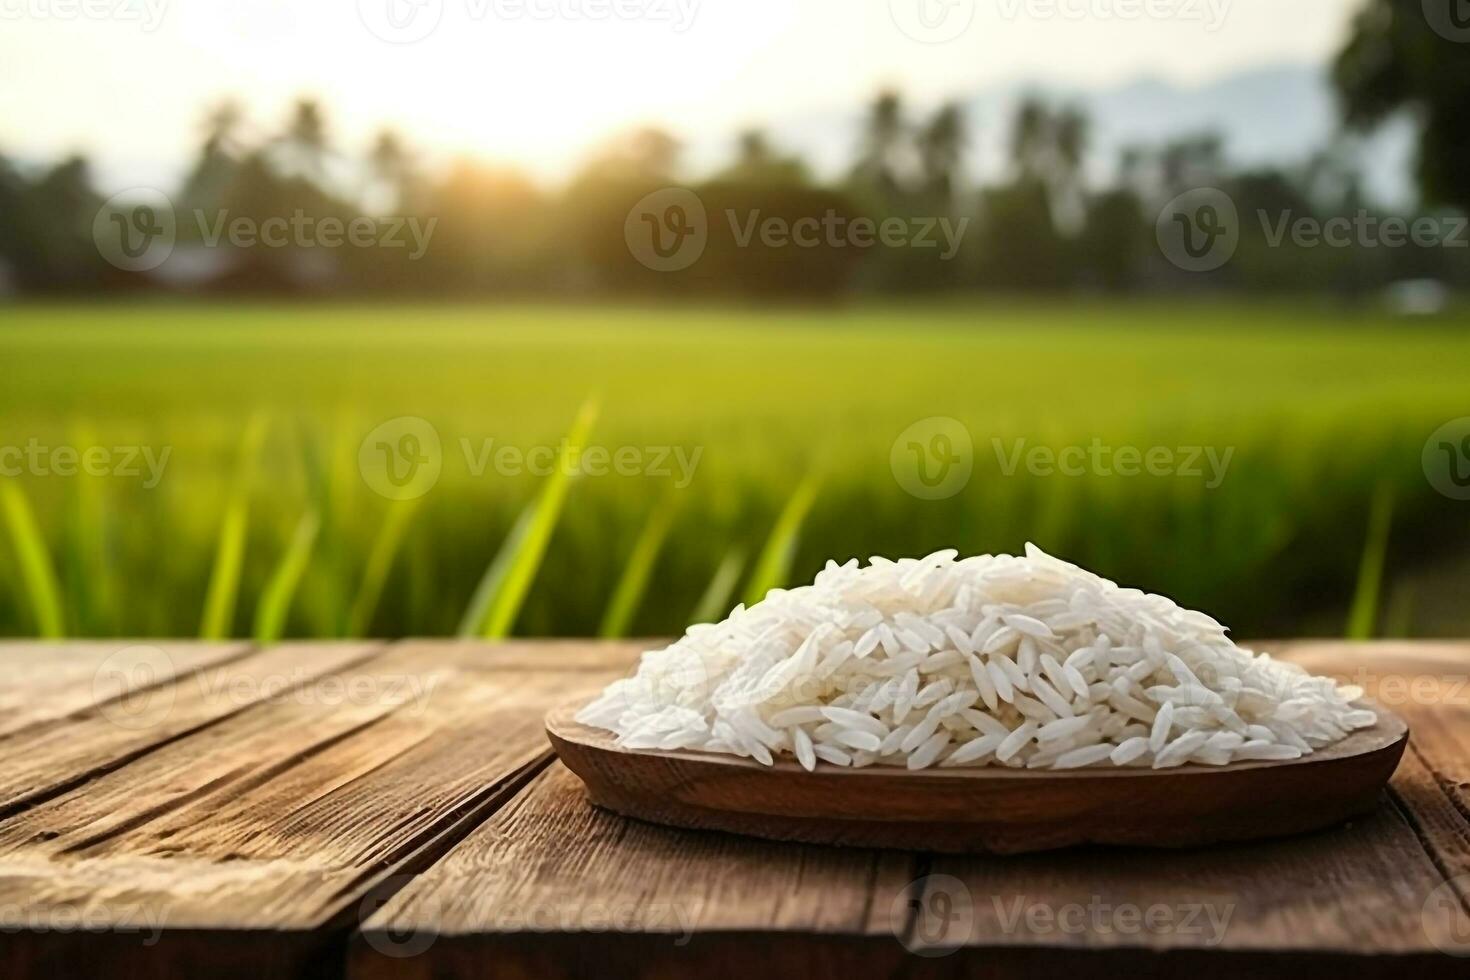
{"x": 224, "y": 580}
{"x": 773, "y": 567}
{"x": 380, "y": 562}
{"x": 88, "y": 575}
{"x": 498, "y": 599}
{"x": 36, "y": 569}
{"x": 275, "y": 601}
{"x": 632, "y": 584}
{"x": 714, "y": 605}
{"x": 1364, "y": 612}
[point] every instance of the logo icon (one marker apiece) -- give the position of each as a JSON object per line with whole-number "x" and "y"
{"x": 403, "y": 941}
{"x": 1447, "y": 459}
{"x": 133, "y": 688}
{"x": 1444, "y": 918}
{"x": 400, "y": 21}
{"x": 1199, "y": 230}
{"x": 1450, "y": 19}
{"x": 934, "y": 916}
{"x": 933, "y": 459}
{"x": 135, "y": 230}
{"x": 667, "y": 231}
{"x": 402, "y": 458}
{"x": 932, "y": 21}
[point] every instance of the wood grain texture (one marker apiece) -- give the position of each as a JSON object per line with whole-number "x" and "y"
{"x": 984, "y": 810}
{"x": 47, "y": 682}
{"x": 1366, "y": 899}
{"x": 1369, "y": 888}
{"x": 258, "y": 831}
{"x": 268, "y": 830}
{"x": 158, "y": 700}
{"x": 548, "y": 869}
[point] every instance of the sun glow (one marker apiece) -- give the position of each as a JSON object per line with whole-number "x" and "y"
{"x": 538, "y": 82}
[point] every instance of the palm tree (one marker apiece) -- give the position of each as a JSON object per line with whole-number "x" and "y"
{"x": 217, "y": 162}
{"x": 305, "y": 139}
{"x": 1071, "y": 143}
{"x": 222, "y": 123}
{"x": 391, "y": 164}
{"x": 941, "y": 150}
{"x": 880, "y": 160}
{"x": 753, "y": 150}
{"x": 1069, "y": 147}
{"x": 1030, "y": 138}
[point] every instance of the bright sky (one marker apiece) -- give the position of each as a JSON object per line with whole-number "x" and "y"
{"x": 536, "y": 82}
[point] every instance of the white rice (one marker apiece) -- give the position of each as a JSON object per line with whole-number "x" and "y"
{"x": 1023, "y": 662}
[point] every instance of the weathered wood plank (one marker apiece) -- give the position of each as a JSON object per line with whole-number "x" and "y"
{"x": 46, "y": 757}
{"x": 255, "y": 832}
{"x": 281, "y": 818}
{"x": 550, "y": 887}
{"x": 1366, "y": 888}
{"x": 1356, "y": 900}
{"x": 1429, "y": 684}
{"x": 49, "y": 681}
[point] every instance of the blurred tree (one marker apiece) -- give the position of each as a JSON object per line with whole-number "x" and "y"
{"x": 392, "y": 166}
{"x": 222, "y": 125}
{"x": 882, "y": 163}
{"x": 757, "y": 162}
{"x": 1189, "y": 163}
{"x": 941, "y": 152}
{"x": 1396, "y": 60}
{"x": 1027, "y": 224}
{"x": 647, "y": 154}
{"x": 762, "y": 271}
{"x": 14, "y": 230}
{"x": 305, "y": 140}
{"x": 58, "y": 212}
{"x": 1020, "y": 247}
{"x": 1116, "y": 234}
{"x": 495, "y": 231}
{"x": 1029, "y": 137}
{"x": 212, "y": 173}
{"x": 1048, "y": 148}
{"x": 1069, "y": 135}
{"x": 590, "y": 219}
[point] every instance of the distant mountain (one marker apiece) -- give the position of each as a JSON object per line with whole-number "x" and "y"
{"x": 1278, "y": 115}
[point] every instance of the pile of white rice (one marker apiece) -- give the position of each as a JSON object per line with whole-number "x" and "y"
{"x": 1020, "y": 662}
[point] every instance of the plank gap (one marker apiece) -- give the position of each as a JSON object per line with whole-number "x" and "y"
{"x": 100, "y": 707}
{"x": 421, "y": 853}
{"x": 41, "y": 797}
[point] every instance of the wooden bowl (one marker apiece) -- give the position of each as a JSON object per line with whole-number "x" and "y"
{"x": 993, "y": 810}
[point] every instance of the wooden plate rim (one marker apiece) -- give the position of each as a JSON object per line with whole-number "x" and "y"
{"x": 1389, "y": 734}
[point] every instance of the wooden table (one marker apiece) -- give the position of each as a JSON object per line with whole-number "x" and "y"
{"x": 374, "y": 810}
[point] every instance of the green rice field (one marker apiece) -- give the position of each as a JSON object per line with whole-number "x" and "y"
{"x": 193, "y": 470}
